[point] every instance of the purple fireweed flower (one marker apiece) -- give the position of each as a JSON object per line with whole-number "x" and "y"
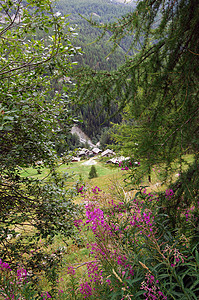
{"x": 94, "y": 272}
{"x": 144, "y": 192}
{"x": 80, "y": 190}
{"x": 97, "y": 188}
{"x": 173, "y": 265}
{"x": 45, "y": 295}
{"x": 21, "y": 274}
{"x": 151, "y": 288}
{"x": 77, "y": 224}
{"x": 4, "y": 266}
{"x": 169, "y": 193}
{"x": 175, "y": 254}
{"x": 85, "y": 289}
{"x": 71, "y": 271}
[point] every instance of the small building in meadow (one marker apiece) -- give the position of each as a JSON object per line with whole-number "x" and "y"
{"x": 117, "y": 160}
{"x": 83, "y": 152}
{"x": 96, "y": 151}
{"x": 75, "y": 159}
{"x": 107, "y": 153}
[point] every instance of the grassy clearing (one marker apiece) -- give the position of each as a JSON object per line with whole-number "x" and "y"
{"x": 110, "y": 177}
{"x": 77, "y": 168}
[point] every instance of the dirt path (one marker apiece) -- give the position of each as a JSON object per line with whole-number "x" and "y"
{"x": 90, "y": 162}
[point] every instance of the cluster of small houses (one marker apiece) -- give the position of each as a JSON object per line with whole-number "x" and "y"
{"x": 86, "y": 154}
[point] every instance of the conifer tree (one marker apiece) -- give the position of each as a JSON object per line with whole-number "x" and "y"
{"x": 93, "y": 172}
{"x": 158, "y": 86}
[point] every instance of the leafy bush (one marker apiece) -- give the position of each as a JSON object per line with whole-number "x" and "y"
{"x": 33, "y": 116}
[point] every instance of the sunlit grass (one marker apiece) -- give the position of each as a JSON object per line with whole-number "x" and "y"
{"x": 110, "y": 177}
{"x": 78, "y": 168}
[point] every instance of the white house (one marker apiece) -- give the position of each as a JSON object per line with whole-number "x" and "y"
{"x": 107, "y": 153}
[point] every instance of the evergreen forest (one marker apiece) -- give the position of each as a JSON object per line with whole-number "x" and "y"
{"x": 97, "y": 54}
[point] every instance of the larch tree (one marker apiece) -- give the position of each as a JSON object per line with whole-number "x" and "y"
{"x": 157, "y": 87}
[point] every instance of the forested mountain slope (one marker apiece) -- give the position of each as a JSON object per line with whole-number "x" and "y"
{"x": 97, "y": 55}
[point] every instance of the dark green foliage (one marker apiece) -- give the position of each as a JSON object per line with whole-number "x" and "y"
{"x": 93, "y": 172}
{"x": 67, "y": 142}
{"x": 97, "y": 55}
{"x": 106, "y": 139}
{"x": 96, "y": 118}
{"x": 158, "y": 87}
{"x": 31, "y": 122}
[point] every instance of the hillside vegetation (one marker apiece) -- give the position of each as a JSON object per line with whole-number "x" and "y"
{"x": 97, "y": 55}
{"x": 72, "y": 237}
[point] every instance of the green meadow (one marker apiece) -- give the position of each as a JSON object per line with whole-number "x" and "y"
{"x": 107, "y": 174}
{"x": 77, "y": 170}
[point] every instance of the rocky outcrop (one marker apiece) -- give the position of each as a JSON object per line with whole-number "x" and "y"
{"x": 82, "y": 136}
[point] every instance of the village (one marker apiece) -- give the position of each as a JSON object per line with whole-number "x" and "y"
{"x": 94, "y": 153}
